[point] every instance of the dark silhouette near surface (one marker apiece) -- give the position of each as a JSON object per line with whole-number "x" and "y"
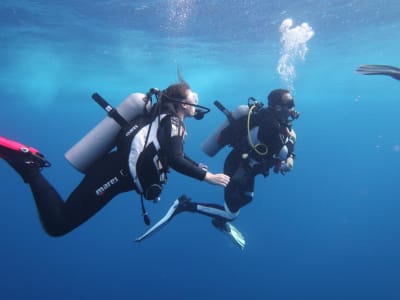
{"x": 379, "y": 70}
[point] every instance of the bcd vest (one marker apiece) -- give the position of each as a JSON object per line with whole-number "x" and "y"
{"x": 140, "y": 144}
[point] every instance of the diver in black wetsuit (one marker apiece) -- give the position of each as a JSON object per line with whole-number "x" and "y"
{"x": 119, "y": 171}
{"x": 273, "y": 149}
{"x": 262, "y": 140}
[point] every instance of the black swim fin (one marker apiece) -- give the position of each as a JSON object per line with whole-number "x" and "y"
{"x": 379, "y": 70}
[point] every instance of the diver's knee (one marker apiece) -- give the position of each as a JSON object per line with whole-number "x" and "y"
{"x": 234, "y": 202}
{"x": 55, "y": 230}
{"x": 55, "y": 233}
{"x": 231, "y": 214}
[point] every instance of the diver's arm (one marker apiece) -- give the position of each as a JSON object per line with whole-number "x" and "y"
{"x": 291, "y": 141}
{"x": 190, "y": 160}
{"x": 289, "y": 162}
{"x": 180, "y": 163}
{"x": 173, "y": 132}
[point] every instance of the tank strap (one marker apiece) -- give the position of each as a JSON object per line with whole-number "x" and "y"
{"x": 111, "y": 111}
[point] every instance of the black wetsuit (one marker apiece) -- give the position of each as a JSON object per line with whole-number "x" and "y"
{"x": 108, "y": 177}
{"x": 273, "y": 134}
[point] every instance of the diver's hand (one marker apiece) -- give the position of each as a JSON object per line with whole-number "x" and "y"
{"x": 288, "y": 164}
{"x": 291, "y": 134}
{"x": 285, "y": 166}
{"x": 217, "y": 179}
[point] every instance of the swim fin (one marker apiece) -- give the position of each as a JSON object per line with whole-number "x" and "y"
{"x": 181, "y": 204}
{"x": 22, "y": 158}
{"x": 379, "y": 70}
{"x": 231, "y": 231}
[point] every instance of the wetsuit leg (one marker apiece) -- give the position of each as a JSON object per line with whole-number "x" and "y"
{"x": 211, "y": 210}
{"x": 102, "y": 182}
{"x": 239, "y": 191}
{"x": 237, "y": 194}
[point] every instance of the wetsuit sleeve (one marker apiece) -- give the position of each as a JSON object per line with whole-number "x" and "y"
{"x": 190, "y": 160}
{"x": 172, "y": 133}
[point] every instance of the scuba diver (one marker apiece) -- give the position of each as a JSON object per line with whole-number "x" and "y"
{"x": 146, "y": 149}
{"x": 262, "y": 140}
{"x": 379, "y": 70}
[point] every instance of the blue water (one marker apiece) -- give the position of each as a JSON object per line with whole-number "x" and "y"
{"x": 328, "y": 230}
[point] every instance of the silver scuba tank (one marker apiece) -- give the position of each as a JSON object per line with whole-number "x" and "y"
{"x": 101, "y": 138}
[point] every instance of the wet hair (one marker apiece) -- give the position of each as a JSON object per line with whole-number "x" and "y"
{"x": 275, "y": 97}
{"x": 175, "y": 92}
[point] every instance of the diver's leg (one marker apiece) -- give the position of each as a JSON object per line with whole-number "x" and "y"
{"x": 239, "y": 191}
{"x": 184, "y": 204}
{"x": 220, "y": 215}
{"x": 28, "y": 162}
{"x": 237, "y": 194}
{"x": 102, "y": 182}
{"x": 211, "y": 210}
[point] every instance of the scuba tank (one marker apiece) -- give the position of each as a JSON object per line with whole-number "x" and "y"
{"x": 101, "y": 139}
{"x": 219, "y": 139}
{"x": 212, "y": 145}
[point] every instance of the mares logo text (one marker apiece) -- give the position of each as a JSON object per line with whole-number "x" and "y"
{"x": 101, "y": 190}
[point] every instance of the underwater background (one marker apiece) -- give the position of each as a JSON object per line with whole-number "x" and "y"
{"x": 330, "y": 229}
